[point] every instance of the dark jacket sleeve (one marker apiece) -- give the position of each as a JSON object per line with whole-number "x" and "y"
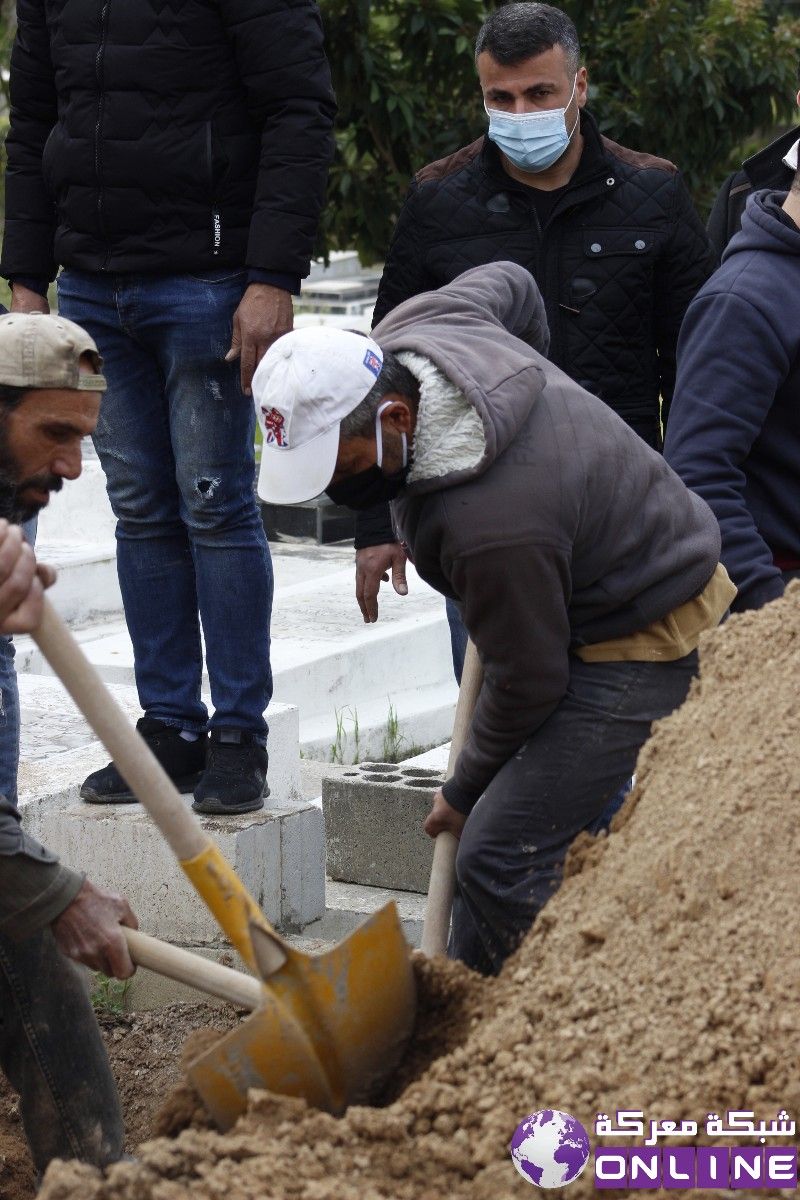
{"x": 34, "y": 887}
{"x": 404, "y": 273}
{"x": 721, "y": 226}
{"x": 520, "y": 627}
{"x": 731, "y": 363}
{"x": 685, "y": 263}
{"x": 30, "y": 213}
{"x": 281, "y": 57}
{"x": 374, "y": 527}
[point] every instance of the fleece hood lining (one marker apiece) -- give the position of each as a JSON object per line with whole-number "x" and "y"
{"x": 449, "y": 435}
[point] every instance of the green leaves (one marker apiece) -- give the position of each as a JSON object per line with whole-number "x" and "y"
{"x": 700, "y": 82}
{"x": 695, "y": 81}
{"x": 407, "y": 92}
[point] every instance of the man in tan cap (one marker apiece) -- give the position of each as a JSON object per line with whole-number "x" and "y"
{"x": 50, "y": 1045}
{"x": 50, "y": 391}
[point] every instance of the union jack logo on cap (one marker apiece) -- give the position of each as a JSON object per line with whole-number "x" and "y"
{"x": 274, "y": 432}
{"x": 373, "y": 363}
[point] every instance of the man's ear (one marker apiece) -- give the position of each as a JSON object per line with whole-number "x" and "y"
{"x": 582, "y": 87}
{"x": 399, "y": 413}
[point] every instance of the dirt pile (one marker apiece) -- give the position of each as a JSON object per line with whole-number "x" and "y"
{"x": 664, "y": 976}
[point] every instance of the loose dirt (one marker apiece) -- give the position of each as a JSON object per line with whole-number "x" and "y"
{"x": 145, "y": 1052}
{"x": 664, "y": 975}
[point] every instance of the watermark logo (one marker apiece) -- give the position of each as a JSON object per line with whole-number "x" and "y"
{"x": 713, "y": 1167}
{"x": 550, "y": 1148}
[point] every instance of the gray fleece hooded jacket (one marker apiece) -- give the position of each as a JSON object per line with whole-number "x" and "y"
{"x": 559, "y": 528}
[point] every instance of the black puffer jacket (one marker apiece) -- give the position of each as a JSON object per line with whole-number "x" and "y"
{"x": 621, "y": 255}
{"x": 149, "y": 136}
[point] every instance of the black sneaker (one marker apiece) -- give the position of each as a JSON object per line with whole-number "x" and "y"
{"x": 183, "y": 761}
{"x": 235, "y": 777}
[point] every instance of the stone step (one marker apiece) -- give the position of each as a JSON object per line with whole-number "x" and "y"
{"x": 87, "y": 588}
{"x": 278, "y": 854}
{"x": 388, "y": 726}
{"x": 80, "y": 512}
{"x": 326, "y": 661}
{"x": 58, "y": 749}
{"x": 348, "y": 905}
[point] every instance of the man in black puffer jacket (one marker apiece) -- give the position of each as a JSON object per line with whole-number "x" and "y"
{"x": 173, "y": 159}
{"x": 609, "y": 234}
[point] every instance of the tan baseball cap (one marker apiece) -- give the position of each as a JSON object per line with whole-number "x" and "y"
{"x": 39, "y": 351}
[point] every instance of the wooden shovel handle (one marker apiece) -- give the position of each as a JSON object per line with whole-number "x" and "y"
{"x": 436, "y": 927}
{"x": 145, "y": 776}
{"x": 201, "y": 973}
{"x": 202, "y": 861}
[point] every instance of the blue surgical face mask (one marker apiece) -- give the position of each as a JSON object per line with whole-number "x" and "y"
{"x": 532, "y": 141}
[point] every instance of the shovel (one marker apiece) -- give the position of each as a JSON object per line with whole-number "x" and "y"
{"x": 330, "y": 1028}
{"x": 436, "y": 926}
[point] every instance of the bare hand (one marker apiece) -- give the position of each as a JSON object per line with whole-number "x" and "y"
{"x": 264, "y": 314}
{"x": 24, "y": 300}
{"x": 372, "y": 565}
{"x": 443, "y": 818}
{"x": 22, "y": 582}
{"x": 89, "y": 931}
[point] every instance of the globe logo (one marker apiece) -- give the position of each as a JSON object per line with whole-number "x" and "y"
{"x": 550, "y": 1148}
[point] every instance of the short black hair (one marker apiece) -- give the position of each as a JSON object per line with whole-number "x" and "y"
{"x": 10, "y": 396}
{"x": 515, "y": 32}
{"x": 394, "y": 377}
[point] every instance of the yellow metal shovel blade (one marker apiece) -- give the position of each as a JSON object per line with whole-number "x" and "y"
{"x": 332, "y": 1028}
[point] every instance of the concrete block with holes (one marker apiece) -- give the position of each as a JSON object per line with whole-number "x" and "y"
{"x": 373, "y": 825}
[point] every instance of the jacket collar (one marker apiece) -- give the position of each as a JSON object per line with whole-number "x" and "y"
{"x": 766, "y": 169}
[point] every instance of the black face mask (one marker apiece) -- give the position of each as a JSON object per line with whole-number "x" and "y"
{"x": 367, "y": 489}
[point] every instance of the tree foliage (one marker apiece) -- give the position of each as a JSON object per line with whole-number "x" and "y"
{"x": 405, "y": 84}
{"x": 696, "y": 81}
{"x": 690, "y": 80}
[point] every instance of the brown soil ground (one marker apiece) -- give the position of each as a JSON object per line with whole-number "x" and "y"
{"x": 664, "y": 975}
{"x": 145, "y": 1053}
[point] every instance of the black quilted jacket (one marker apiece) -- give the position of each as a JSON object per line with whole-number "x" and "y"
{"x": 618, "y": 260}
{"x": 166, "y": 135}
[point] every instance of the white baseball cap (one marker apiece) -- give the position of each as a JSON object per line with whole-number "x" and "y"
{"x": 304, "y": 386}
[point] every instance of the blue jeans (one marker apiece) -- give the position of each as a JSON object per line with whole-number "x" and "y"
{"x": 9, "y": 704}
{"x": 458, "y": 637}
{"x": 176, "y": 441}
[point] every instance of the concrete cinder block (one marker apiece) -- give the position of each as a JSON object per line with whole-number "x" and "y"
{"x": 302, "y": 867}
{"x": 120, "y": 848}
{"x": 373, "y": 825}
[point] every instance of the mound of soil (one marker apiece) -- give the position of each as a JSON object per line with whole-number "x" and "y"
{"x": 662, "y": 976}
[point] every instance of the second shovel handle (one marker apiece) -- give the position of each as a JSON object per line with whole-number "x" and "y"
{"x": 145, "y": 776}
{"x": 436, "y": 927}
{"x": 201, "y": 973}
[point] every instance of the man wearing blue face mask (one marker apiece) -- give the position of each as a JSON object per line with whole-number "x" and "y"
{"x": 609, "y": 234}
